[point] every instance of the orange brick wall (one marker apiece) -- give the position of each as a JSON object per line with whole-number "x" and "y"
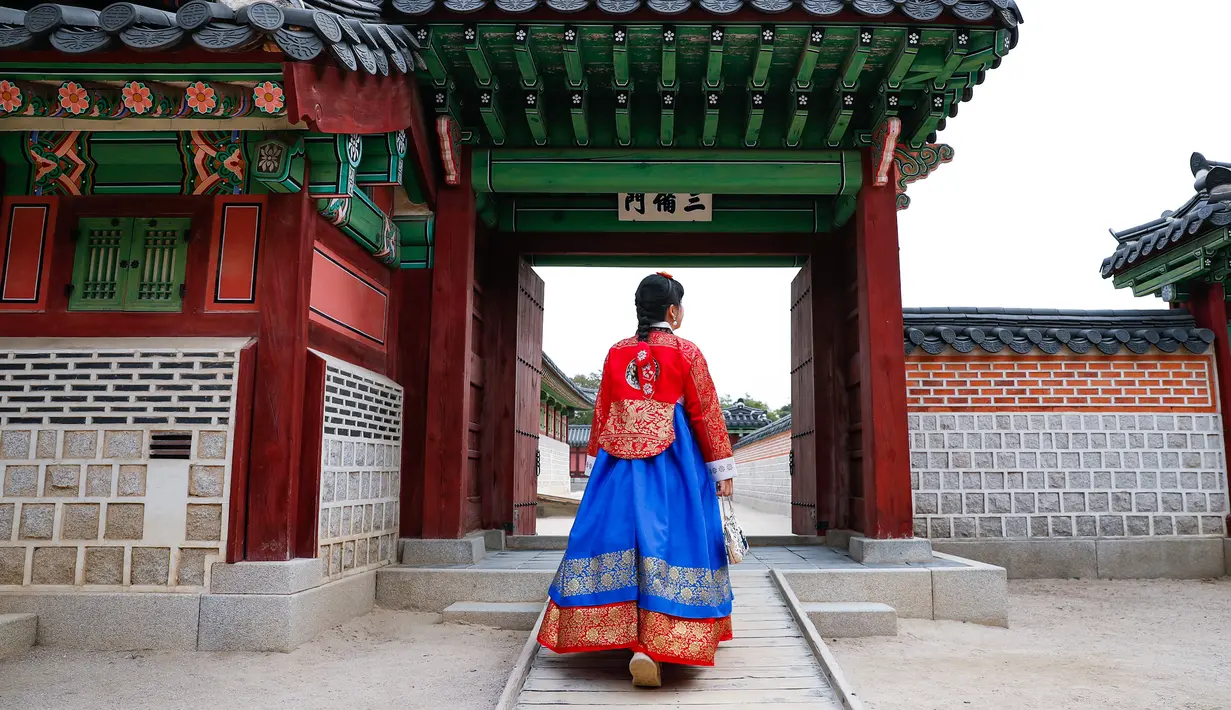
{"x": 1042, "y": 383}
{"x": 777, "y": 445}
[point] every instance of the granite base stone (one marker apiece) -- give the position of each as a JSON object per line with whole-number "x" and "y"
{"x": 852, "y": 619}
{"x": 1226, "y": 556}
{"x": 1029, "y": 559}
{"x": 1191, "y": 558}
{"x": 267, "y": 577}
{"x": 909, "y": 591}
{"x": 109, "y": 621}
{"x": 975, "y": 593}
{"x": 18, "y": 632}
{"x": 464, "y": 551}
{"x": 515, "y": 616}
{"x": 422, "y": 589}
{"x": 874, "y": 551}
{"x": 281, "y": 622}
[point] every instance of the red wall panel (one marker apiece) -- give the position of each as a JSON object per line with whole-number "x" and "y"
{"x": 25, "y": 252}
{"x": 235, "y": 241}
{"x": 345, "y": 300}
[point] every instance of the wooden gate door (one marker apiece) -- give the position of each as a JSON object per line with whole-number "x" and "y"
{"x": 803, "y": 406}
{"x": 529, "y": 379}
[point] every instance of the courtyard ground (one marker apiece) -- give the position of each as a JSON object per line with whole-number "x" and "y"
{"x": 387, "y": 659}
{"x": 1124, "y": 645}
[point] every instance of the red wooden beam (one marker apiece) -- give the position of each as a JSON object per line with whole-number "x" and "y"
{"x": 664, "y": 243}
{"x": 333, "y": 100}
{"x": 449, "y": 368}
{"x": 281, "y": 364}
{"x": 412, "y": 289}
{"x": 882, "y": 363}
{"x": 1209, "y": 308}
{"x": 421, "y": 151}
{"x": 237, "y": 523}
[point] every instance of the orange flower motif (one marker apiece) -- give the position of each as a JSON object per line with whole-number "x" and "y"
{"x": 201, "y": 98}
{"x": 268, "y": 97}
{"x": 10, "y": 97}
{"x": 137, "y": 97}
{"x": 73, "y": 98}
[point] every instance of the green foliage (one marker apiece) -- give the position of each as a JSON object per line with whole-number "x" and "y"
{"x": 591, "y": 380}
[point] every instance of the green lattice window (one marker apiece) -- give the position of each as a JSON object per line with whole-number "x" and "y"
{"x": 129, "y": 264}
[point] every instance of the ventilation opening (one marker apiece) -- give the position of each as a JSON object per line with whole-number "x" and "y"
{"x": 171, "y": 445}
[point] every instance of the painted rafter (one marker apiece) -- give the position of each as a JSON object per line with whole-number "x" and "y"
{"x": 959, "y": 47}
{"x": 758, "y": 85}
{"x": 622, "y": 83}
{"x": 801, "y": 87}
{"x": 668, "y": 88}
{"x": 904, "y": 57}
{"x": 579, "y": 94}
{"x": 531, "y": 84}
{"x": 844, "y": 97}
{"x": 488, "y": 85}
{"x": 709, "y": 129}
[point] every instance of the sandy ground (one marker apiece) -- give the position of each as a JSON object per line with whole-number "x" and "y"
{"x": 386, "y": 659}
{"x": 1131, "y": 645}
{"x": 754, "y": 522}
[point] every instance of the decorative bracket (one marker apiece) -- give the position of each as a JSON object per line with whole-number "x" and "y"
{"x": 449, "y": 135}
{"x": 916, "y": 164}
{"x": 884, "y": 141}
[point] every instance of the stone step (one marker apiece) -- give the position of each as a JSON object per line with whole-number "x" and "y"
{"x": 428, "y": 589}
{"x": 18, "y": 632}
{"x": 516, "y": 616}
{"x": 852, "y": 619}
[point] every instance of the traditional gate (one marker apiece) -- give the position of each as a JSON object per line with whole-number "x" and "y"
{"x": 803, "y": 406}
{"x": 526, "y": 417}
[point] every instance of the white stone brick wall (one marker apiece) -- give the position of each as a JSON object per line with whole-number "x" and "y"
{"x": 1067, "y": 474}
{"x": 765, "y": 484}
{"x": 83, "y": 504}
{"x": 553, "y": 477}
{"x": 361, "y": 455}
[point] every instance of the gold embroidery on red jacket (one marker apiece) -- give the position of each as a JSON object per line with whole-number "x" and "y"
{"x": 715, "y": 442}
{"x": 638, "y": 429}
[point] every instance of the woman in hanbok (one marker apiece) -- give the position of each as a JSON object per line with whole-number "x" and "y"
{"x": 646, "y": 564}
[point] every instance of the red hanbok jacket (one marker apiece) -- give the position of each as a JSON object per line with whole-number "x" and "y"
{"x": 642, "y": 383}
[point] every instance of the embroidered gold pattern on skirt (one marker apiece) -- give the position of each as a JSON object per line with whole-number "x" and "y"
{"x": 638, "y": 429}
{"x": 694, "y": 586}
{"x": 587, "y": 628}
{"x": 672, "y": 639}
{"x": 663, "y": 637}
{"x": 591, "y": 575}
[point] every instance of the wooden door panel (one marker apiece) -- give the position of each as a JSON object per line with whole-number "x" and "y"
{"x": 530, "y": 292}
{"x": 803, "y": 407}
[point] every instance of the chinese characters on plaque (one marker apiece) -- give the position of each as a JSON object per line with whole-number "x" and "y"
{"x": 665, "y": 207}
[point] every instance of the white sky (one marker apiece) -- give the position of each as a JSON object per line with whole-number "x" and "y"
{"x": 1088, "y": 124}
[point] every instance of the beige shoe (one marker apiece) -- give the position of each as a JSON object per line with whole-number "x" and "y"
{"x": 646, "y": 671}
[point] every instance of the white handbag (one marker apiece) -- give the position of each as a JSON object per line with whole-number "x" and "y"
{"x": 737, "y": 543}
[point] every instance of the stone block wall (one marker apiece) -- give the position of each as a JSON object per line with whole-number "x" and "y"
{"x": 361, "y": 456}
{"x": 1063, "y": 446}
{"x": 553, "y": 477}
{"x": 764, "y": 480}
{"x": 116, "y": 458}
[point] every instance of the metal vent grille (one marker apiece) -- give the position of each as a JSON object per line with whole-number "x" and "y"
{"x": 171, "y": 445}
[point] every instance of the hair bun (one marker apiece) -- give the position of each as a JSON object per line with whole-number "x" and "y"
{"x": 665, "y": 275}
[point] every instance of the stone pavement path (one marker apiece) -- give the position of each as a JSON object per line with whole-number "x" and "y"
{"x": 767, "y": 665}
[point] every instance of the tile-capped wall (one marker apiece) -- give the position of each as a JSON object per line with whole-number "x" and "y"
{"x": 360, "y": 468}
{"x": 81, "y": 500}
{"x": 1069, "y": 474}
{"x": 764, "y": 468}
{"x": 553, "y": 476}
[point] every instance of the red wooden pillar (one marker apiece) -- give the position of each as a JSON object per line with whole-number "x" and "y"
{"x": 447, "y": 442}
{"x": 412, "y": 288}
{"x": 882, "y": 362}
{"x": 1209, "y": 308}
{"x": 281, "y": 369}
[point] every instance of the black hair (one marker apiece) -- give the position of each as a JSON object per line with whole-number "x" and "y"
{"x": 655, "y": 294}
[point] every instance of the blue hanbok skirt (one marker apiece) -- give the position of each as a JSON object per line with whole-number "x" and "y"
{"x": 646, "y": 564}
